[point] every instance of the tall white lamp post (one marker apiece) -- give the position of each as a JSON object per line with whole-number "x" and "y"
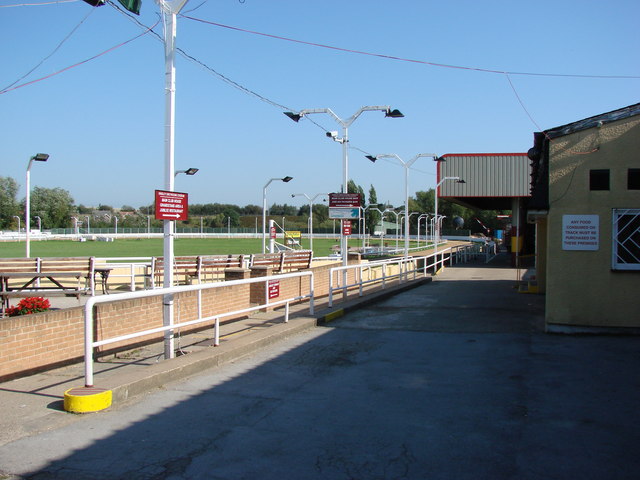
{"x": 345, "y": 124}
{"x": 39, "y": 157}
{"x": 311, "y": 199}
{"x": 169, "y": 10}
{"x": 437, "y": 219}
{"x": 420, "y": 217}
{"x": 406, "y": 166}
{"x": 264, "y": 208}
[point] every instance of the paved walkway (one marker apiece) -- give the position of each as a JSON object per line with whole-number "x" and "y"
{"x": 450, "y": 379}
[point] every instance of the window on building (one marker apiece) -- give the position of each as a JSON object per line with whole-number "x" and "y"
{"x": 598, "y": 179}
{"x": 626, "y": 239}
{"x": 633, "y": 179}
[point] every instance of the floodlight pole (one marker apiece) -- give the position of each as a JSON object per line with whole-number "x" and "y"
{"x": 264, "y": 209}
{"x": 311, "y": 199}
{"x": 406, "y": 166}
{"x": 345, "y": 124}
{"x": 437, "y": 223}
{"x": 40, "y": 157}
{"x": 169, "y": 10}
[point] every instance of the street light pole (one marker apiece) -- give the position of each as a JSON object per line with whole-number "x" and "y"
{"x": 311, "y": 199}
{"x": 406, "y": 166}
{"x": 345, "y": 124}
{"x": 437, "y": 220}
{"x": 39, "y": 157}
{"x": 264, "y": 208}
{"x": 169, "y": 10}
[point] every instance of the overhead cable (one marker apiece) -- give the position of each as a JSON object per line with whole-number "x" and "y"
{"x": 52, "y": 52}
{"x": 79, "y": 63}
{"x": 392, "y": 57}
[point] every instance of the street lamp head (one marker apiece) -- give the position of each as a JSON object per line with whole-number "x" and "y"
{"x": 188, "y": 171}
{"x": 439, "y": 159}
{"x": 293, "y": 116}
{"x": 287, "y": 179}
{"x": 373, "y": 158}
{"x": 460, "y": 180}
{"x": 395, "y": 113}
{"x": 40, "y": 157}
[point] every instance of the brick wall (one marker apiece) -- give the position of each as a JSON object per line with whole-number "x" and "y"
{"x": 47, "y": 340}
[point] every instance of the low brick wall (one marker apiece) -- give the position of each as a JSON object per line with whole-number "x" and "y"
{"x": 51, "y": 339}
{"x": 42, "y": 341}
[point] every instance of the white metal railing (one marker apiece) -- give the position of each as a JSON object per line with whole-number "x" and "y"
{"x": 136, "y": 266}
{"x": 90, "y": 343}
{"x": 404, "y": 267}
{"x": 464, "y": 253}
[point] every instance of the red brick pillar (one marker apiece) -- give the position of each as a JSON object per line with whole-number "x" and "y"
{"x": 236, "y": 274}
{"x": 258, "y": 294}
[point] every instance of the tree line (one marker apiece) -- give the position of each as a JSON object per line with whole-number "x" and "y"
{"x": 55, "y": 208}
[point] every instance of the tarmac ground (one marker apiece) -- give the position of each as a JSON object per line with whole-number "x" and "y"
{"x": 453, "y": 378}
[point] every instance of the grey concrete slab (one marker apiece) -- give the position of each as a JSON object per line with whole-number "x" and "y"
{"x": 388, "y": 397}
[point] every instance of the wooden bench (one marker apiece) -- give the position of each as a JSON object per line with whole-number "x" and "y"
{"x": 212, "y": 267}
{"x": 185, "y": 269}
{"x": 287, "y": 261}
{"x": 202, "y": 268}
{"x": 84, "y": 266}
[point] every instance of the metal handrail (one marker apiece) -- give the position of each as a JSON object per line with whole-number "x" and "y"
{"x": 90, "y": 344}
{"x": 403, "y": 271}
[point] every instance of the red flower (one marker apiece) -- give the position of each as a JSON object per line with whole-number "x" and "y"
{"x": 29, "y": 305}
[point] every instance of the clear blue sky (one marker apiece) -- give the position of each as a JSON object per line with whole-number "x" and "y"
{"x": 103, "y": 122}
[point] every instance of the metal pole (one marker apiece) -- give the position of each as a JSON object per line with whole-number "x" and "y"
{"x": 264, "y": 216}
{"x": 345, "y": 189}
{"x": 27, "y": 213}
{"x": 169, "y": 17}
{"x": 272, "y": 240}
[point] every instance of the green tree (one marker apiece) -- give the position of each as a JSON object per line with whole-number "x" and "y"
{"x": 8, "y": 204}
{"x": 53, "y": 205}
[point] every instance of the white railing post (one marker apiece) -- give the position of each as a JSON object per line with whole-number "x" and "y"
{"x": 216, "y": 333}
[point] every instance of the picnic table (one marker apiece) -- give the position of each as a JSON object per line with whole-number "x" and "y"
{"x": 26, "y": 284}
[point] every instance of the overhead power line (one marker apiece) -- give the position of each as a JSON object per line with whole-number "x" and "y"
{"x": 410, "y": 60}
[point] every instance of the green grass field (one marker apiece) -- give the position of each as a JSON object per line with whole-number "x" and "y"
{"x": 149, "y": 247}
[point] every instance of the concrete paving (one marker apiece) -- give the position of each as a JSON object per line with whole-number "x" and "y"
{"x": 450, "y": 379}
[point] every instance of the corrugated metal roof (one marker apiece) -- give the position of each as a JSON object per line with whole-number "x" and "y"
{"x": 485, "y": 175}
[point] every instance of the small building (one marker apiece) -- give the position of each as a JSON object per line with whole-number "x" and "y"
{"x": 585, "y": 205}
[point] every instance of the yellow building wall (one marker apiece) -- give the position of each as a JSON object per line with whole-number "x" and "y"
{"x": 581, "y": 287}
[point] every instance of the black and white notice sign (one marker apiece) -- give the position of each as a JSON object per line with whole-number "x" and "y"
{"x": 580, "y": 232}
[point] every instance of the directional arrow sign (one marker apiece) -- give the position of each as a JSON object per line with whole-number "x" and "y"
{"x": 171, "y": 205}
{"x": 339, "y": 212}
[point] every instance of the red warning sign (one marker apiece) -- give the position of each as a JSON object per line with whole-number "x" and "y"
{"x": 273, "y": 288}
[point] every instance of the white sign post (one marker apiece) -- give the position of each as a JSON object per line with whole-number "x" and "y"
{"x": 580, "y": 232}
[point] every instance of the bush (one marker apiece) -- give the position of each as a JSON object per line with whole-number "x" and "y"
{"x": 29, "y": 305}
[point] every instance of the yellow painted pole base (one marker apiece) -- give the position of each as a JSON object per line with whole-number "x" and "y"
{"x": 87, "y": 399}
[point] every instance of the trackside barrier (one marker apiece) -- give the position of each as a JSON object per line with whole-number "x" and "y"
{"x": 465, "y": 253}
{"x": 90, "y": 344}
{"x": 382, "y": 271}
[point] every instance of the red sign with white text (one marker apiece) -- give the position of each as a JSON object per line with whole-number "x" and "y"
{"x": 172, "y": 205}
{"x": 346, "y": 227}
{"x": 273, "y": 288}
{"x": 344, "y": 200}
